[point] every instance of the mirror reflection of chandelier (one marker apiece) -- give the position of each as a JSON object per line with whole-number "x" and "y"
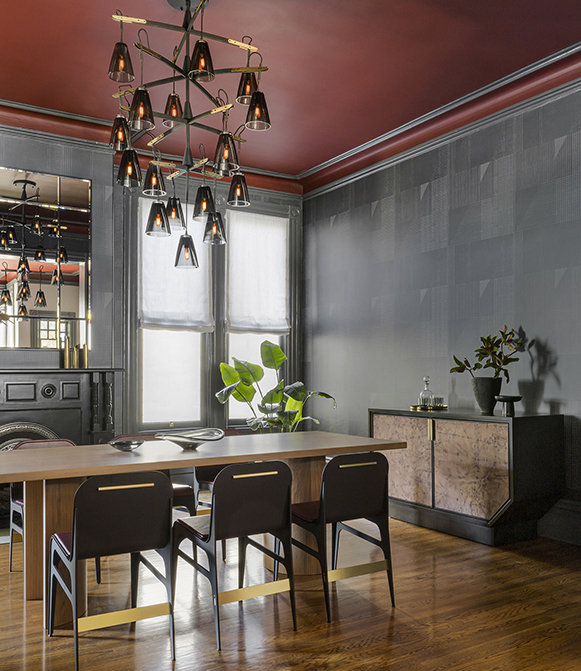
{"x": 194, "y": 68}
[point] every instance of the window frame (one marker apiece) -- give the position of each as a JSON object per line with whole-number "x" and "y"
{"x": 214, "y": 345}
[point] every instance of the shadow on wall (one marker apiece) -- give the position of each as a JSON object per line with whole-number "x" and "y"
{"x": 542, "y": 364}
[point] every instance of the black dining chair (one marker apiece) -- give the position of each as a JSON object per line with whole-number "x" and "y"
{"x": 247, "y": 499}
{"x": 353, "y": 486}
{"x": 16, "y": 490}
{"x": 114, "y": 514}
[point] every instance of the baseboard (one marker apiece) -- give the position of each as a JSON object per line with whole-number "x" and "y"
{"x": 562, "y": 522}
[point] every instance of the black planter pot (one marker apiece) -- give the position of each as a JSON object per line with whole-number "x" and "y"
{"x": 485, "y": 389}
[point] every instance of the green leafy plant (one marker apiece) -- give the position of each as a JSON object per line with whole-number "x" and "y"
{"x": 280, "y": 408}
{"x": 495, "y": 352}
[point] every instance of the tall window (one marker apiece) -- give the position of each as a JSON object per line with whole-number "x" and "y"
{"x": 181, "y": 344}
{"x": 257, "y": 290}
{"x": 174, "y": 310}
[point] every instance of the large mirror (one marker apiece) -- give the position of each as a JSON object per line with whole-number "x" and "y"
{"x": 45, "y": 244}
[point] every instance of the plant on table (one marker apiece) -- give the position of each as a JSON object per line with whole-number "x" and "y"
{"x": 495, "y": 353}
{"x": 280, "y": 408}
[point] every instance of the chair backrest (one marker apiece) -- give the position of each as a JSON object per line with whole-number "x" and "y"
{"x": 251, "y": 499}
{"x": 123, "y": 512}
{"x": 51, "y": 442}
{"x": 355, "y": 486}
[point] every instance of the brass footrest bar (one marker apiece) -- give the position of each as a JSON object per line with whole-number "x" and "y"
{"x": 264, "y": 589}
{"x": 352, "y": 571}
{"x": 91, "y": 622}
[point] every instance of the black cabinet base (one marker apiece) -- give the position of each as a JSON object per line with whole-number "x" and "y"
{"x": 462, "y": 525}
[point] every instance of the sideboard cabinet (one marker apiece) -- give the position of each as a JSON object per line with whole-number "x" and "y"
{"x": 487, "y": 478}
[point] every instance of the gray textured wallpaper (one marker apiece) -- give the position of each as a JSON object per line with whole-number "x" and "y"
{"x": 412, "y": 264}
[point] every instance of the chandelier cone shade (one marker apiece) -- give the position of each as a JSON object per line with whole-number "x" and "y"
{"x": 11, "y": 235}
{"x": 157, "y": 223}
{"x": 258, "y": 117}
{"x": 141, "y": 112}
{"x": 40, "y": 299}
{"x": 57, "y": 276}
{"x": 246, "y": 88}
{"x": 62, "y": 256}
{"x": 22, "y": 311}
{"x": 3, "y": 240}
{"x": 226, "y": 157}
{"x": 186, "y": 256}
{"x": 24, "y": 291}
{"x": 175, "y": 214}
{"x": 129, "y": 171}
{"x": 120, "y": 67}
{"x": 204, "y": 203}
{"x": 174, "y": 109}
{"x": 214, "y": 233}
{"x": 37, "y": 226}
{"x": 201, "y": 67}
{"x": 40, "y": 254}
{"x": 23, "y": 266}
{"x": 5, "y": 297}
{"x": 238, "y": 194}
{"x": 119, "y": 139}
{"x": 54, "y": 229}
{"x": 154, "y": 184}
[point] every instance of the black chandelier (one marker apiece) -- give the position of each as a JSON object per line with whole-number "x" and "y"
{"x": 196, "y": 69}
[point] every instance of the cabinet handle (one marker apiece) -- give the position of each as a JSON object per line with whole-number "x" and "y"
{"x": 431, "y": 429}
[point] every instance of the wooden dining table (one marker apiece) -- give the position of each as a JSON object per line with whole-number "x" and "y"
{"x": 51, "y": 476}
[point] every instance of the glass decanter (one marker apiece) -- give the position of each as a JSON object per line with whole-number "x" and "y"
{"x": 426, "y": 397}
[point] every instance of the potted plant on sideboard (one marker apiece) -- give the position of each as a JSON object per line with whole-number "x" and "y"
{"x": 495, "y": 353}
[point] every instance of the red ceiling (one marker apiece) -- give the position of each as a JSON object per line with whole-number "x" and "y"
{"x": 340, "y": 72}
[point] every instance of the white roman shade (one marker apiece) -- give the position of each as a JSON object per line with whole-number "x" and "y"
{"x": 172, "y": 297}
{"x": 257, "y": 273}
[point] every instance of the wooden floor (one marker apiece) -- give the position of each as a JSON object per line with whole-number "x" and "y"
{"x": 459, "y": 606}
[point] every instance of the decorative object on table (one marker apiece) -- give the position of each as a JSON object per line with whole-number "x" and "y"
{"x": 191, "y": 440}
{"x": 426, "y": 396}
{"x": 67, "y": 352}
{"x": 427, "y": 400}
{"x": 125, "y": 445}
{"x": 85, "y": 358}
{"x": 497, "y": 353}
{"x": 508, "y": 404}
{"x": 75, "y": 352}
{"x": 542, "y": 363}
{"x": 280, "y": 408}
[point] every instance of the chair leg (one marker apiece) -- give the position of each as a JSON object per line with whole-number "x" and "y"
{"x": 98, "y": 570}
{"x": 242, "y": 546}
{"x": 134, "y": 578}
{"x": 214, "y": 585}
{"x": 287, "y": 545}
{"x": 52, "y": 584}
{"x": 335, "y": 531}
{"x": 10, "y": 548}
{"x": 322, "y": 557}
{"x": 75, "y": 612}
{"x": 276, "y": 550}
{"x": 383, "y": 526}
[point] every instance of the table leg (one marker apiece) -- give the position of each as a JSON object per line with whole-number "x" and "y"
{"x": 58, "y": 516}
{"x": 33, "y": 543}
